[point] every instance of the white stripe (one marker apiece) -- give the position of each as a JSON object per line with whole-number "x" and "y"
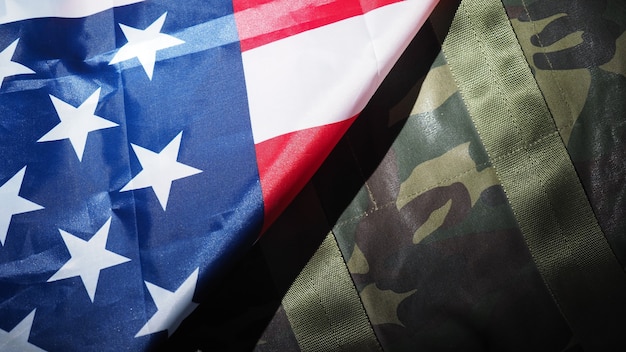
{"x": 327, "y": 74}
{"x": 17, "y": 10}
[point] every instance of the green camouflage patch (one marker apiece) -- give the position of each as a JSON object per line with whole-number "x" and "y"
{"x": 377, "y": 302}
{"x": 617, "y": 63}
{"x": 565, "y": 91}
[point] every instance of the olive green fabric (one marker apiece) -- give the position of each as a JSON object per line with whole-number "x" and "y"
{"x": 535, "y": 170}
{"x": 410, "y": 193}
{"x": 324, "y": 308}
{"x": 577, "y": 52}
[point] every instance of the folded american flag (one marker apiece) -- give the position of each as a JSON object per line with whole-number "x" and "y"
{"x": 146, "y": 144}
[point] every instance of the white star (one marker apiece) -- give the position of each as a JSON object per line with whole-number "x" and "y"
{"x": 88, "y": 258}
{"x": 159, "y": 170}
{"x": 8, "y": 67}
{"x": 143, "y": 44}
{"x": 76, "y": 123}
{"x": 16, "y": 340}
{"x": 11, "y": 203}
{"x": 172, "y": 307}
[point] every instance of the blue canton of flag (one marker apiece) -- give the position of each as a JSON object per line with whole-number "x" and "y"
{"x": 128, "y": 174}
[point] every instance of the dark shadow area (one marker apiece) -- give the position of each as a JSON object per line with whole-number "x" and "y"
{"x": 234, "y": 316}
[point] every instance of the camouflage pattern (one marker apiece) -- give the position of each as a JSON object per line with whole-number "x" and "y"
{"x": 577, "y": 50}
{"x": 435, "y": 250}
{"x": 417, "y": 210}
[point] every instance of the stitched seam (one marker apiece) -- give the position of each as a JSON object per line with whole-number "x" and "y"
{"x": 530, "y": 159}
{"x": 379, "y": 345}
{"x": 494, "y": 76}
{"x": 328, "y": 318}
{"x": 524, "y": 147}
{"x": 496, "y": 158}
{"x": 446, "y": 180}
{"x": 516, "y": 214}
{"x": 410, "y": 196}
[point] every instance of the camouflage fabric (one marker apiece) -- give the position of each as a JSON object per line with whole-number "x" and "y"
{"x": 416, "y": 208}
{"x": 577, "y": 50}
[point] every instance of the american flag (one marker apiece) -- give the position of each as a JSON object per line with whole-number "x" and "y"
{"x": 146, "y": 144}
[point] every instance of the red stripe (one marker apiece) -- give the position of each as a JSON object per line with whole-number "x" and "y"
{"x": 263, "y": 21}
{"x": 287, "y": 162}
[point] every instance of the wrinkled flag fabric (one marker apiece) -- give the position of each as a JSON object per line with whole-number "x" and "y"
{"x": 146, "y": 144}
